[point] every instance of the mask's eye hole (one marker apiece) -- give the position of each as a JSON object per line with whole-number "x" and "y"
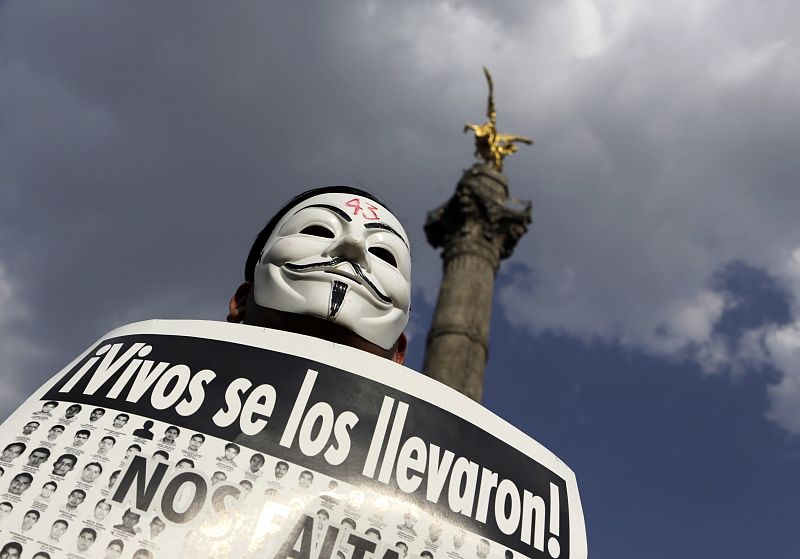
{"x": 317, "y": 231}
{"x": 384, "y": 255}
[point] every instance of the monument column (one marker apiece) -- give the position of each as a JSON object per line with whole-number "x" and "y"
{"x": 476, "y": 228}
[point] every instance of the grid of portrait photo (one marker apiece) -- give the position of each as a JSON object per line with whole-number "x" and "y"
{"x": 59, "y": 469}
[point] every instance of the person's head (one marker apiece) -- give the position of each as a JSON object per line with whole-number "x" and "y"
{"x": 106, "y": 444}
{"x": 247, "y": 487}
{"x": 508, "y": 554}
{"x": 49, "y": 407}
{"x": 20, "y": 483}
{"x": 121, "y": 420}
{"x": 75, "y": 498}
{"x": 96, "y": 414}
{"x": 435, "y": 530}
{"x": 48, "y": 489}
{"x": 38, "y": 456}
{"x": 12, "y": 451}
{"x": 114, "y": 549}
{"x": 482, "y": 549}
{"x": 231, "y": 451}
{"x": 332, "y": 263}
{"x": 31, "y": 517}
{"x": 101, "y": 509}
{"x": 322, "y": 517}
{"x": 12, "y": 550}
{"x": 374, "y": 533}
{"x": 305, "y": 479}
{"x": 172, "y": 433}
{"x": 91, "y": 472}
{"x": 196, "y": 442}
{"x": 113, "y": 479}
{"x": 81, "y": 437}
{"x": 184, "y": 464}
{"x": 147, "y": 425}
{"x": 41, "y": 555}
{"x": 130, "y": 518}
{"x": 409, "y": 519}
{"x": 86, "y": 538}
{"x": 280, "y": 469}
{"x": 256, "y": 462}
{"x": 142, "y": 554}
{"x": 72, "y": 411}
{"x": 55, "y": 431}
{"x": 64, "y": 464}
{"x": 402, "y": 547}
{"x": 5, "y": 508}
{"x": 426, "y": 555}
{"x": 58, "y": 528}
{"x": 30, "y": 427}
{"x": 347, "y": 521}
{"x": 218, "y": 477}
{"x": 161, "y": 455}
{"x": 156, "y": 526}
{"x": 133, "y": 449}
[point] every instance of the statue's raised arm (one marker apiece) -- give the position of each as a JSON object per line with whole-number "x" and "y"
{"x": 490, "y": 145}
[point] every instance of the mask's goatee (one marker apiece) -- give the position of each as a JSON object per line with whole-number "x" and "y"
{"x": 338, "y": 291}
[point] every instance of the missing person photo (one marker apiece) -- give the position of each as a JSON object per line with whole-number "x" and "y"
{"x": 86, "y": 539}
{"x": 54, "y": 432}
{"x": 47, "y": 491}
{"x": 74, "y": 500}
{"x": 72, "y": 411}
{"x": 30, "y": 427}
{"x": 120, "y": 421}
{"x": 196, "y": 442}
{"x": 29, "y": 520}
{"x": 64, "y": 464}
{"x": 12, "y": 451}
{"x": 144, "y": 432}
{"x": 11, "y": 550}
{"x": 20, "y": 483}
{"x": 101, "y": 510}
{"x": 105, "y": 445}
{"x": 114, "y": 549}
{"x": 81, "y": 437}
{"x": 170, "y": 434}
{"x": 57, "y": 529}
{"x": 231, "y": 452}
{"x": 129, "y": 521}
{"x": 38, "y": 456}
{"x": 91, "y": 472}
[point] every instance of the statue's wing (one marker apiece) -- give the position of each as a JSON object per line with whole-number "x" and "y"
{"x": 514, "y": 138}
{"x": 490, "y": 104}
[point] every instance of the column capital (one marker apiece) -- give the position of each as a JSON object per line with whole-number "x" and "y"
{"x": 479, "y": 213}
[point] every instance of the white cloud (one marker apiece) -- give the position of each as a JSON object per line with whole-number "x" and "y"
{"x": 783, "y": 346}
{"x": 665, "y": 139}
{"x": 19, "y": 353}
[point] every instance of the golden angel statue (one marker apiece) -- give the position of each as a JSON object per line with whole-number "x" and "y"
{"x": 490, "y": 145}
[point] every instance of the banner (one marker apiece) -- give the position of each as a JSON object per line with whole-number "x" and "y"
{"x": 203, "y": 439}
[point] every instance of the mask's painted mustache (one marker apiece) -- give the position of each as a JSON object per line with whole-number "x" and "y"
{"x": 335, "y": 262}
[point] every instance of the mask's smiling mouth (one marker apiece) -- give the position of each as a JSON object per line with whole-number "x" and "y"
{"x": 330, "y": 267}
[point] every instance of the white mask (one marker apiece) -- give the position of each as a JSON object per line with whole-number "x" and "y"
{"x": 342, "y": 257}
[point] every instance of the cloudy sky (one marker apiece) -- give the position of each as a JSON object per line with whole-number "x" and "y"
{"x": 647, "y": 329}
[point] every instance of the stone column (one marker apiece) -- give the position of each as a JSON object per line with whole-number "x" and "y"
{"x": 476, "y": 228}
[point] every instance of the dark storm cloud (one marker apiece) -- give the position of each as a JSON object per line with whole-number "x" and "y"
{"x": 143, "y": 148}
